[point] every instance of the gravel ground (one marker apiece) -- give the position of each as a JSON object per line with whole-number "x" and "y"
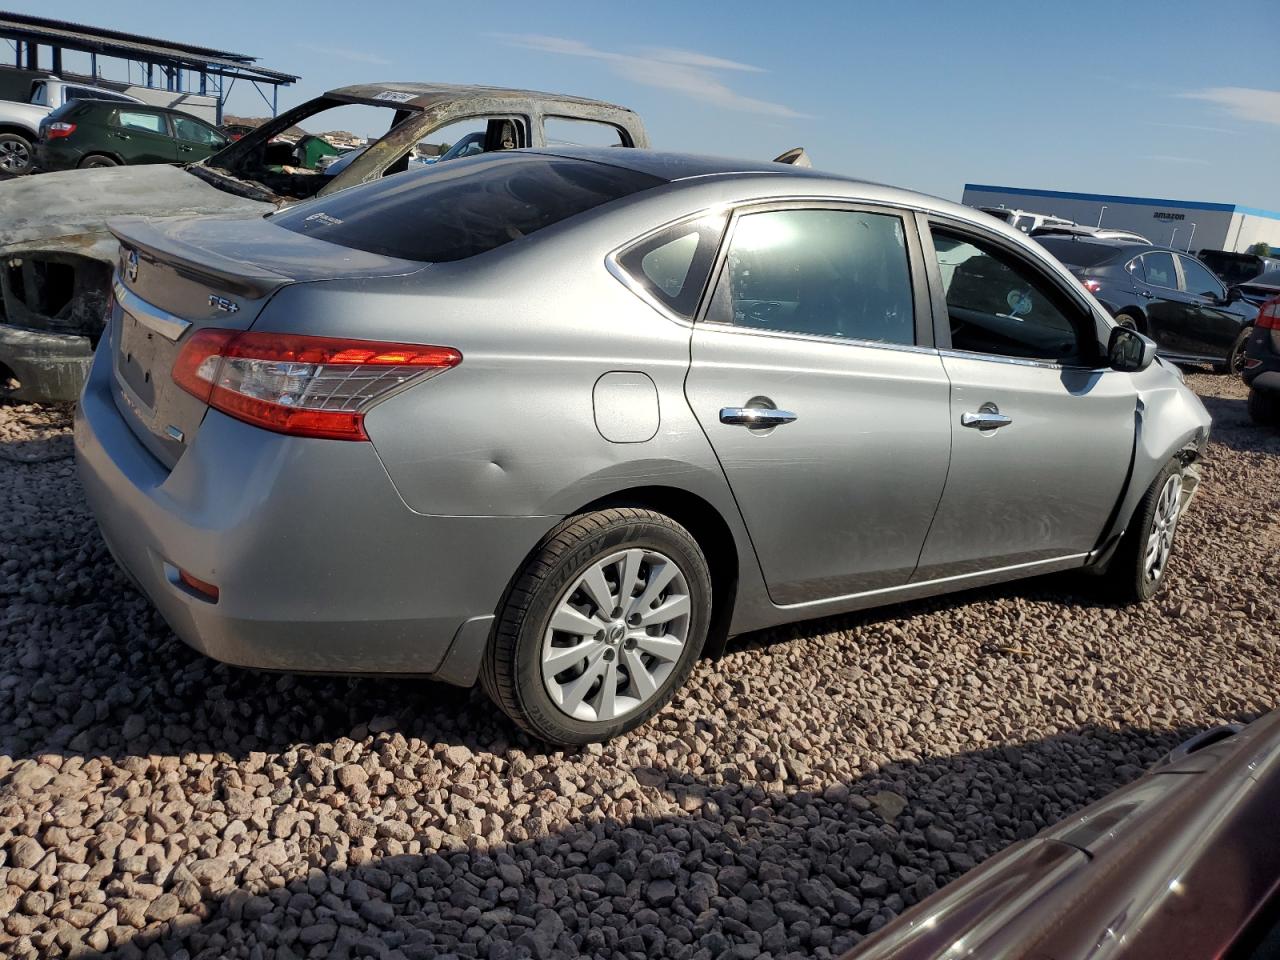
{"x": 798, "y": 793}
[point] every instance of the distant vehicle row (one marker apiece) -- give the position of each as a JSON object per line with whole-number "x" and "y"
{"x": 104, "y": 133}
{"x": 20, "y": 122}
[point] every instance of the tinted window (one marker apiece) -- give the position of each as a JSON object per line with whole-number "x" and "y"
{"x": 1024, "y": 223}
{"x": 833, "y": 273}
{"x": 1199, "y": 280}
{"x": 196, "y": 132}
{"x": 84, "y": 93}
{"x": 1078, "y": 253}
{"x": 1160, "y": 271}
{"x": 1000, "y": 305}
{"x": 673, "y": 265}
{"x": 451, "y": 211}
{"x": 137, "y": 120}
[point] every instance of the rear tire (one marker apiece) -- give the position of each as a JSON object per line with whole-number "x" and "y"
{"x": 1234, "y": 364}
{"x": 1264, "y": 408}
{"x": 16, "y": 154}
{"x": 1142, "y": 559}
{"x": 642, "y": 563}
{"x": 98, "y": 160}
{"x": 1127, "y": 320}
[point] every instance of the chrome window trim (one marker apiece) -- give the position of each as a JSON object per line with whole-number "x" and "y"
{"x": 166, "y": 324}
{"x": 1019, "y": 361}
{"x": 722, "y": 327}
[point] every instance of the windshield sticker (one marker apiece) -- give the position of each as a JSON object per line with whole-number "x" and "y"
{"x": 395, "y": 96}
{"x": 324, "y": 218}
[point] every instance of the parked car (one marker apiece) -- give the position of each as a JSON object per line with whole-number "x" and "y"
{"x": 104, "y": 133}
{"x": 563, "y": 420}
{"x": 234, "y": 131}
{"x": 59, "y": 250}
{"x": 20, "y": 122}
{"x": 1026, "y": 220}
{"x": 1236, "y": 268}
{"x": 1098, "y": 233}
{"x": 1183, "y": 862}
{"x": 1262, "y": 365}
{"x": 1166, "y": 294}
{"x": 1262, "y": 287}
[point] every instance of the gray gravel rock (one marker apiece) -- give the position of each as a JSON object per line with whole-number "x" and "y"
{"x": 798, "y": 794}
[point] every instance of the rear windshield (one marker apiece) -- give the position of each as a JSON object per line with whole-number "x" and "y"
{"x": 464, "y": 207}
{"x": 1078, "y": 253}
{"x": 1232, "y": 268}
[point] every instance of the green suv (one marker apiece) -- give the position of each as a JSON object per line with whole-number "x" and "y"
{"x": 103, "y": 133}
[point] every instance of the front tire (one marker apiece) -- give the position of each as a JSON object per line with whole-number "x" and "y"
{"x": 98, "y": 160}
{"x": 601, "y": 626}
{"x": 1143, "y": 558}
{"x": 1234, "y": 364}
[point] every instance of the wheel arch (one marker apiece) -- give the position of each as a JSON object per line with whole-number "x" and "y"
{"x": 714, "y": 536}
{"x": 17, "y": 128}
{"x": 102, "y": 153}
{"x": 1134, "y": 311}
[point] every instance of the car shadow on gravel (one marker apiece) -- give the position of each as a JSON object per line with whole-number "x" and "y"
{"x": 739, "y": 866}
{"x": 1233, "y": 429}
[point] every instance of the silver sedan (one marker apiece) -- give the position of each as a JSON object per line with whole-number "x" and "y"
{"x": 562, "y": 421}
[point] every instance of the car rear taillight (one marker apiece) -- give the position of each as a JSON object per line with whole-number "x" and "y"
{"x": 1269, "y": 315}
{"x": 301, "y": 385}
{"x": 1093, "y": 286}
{"x": 60, "y": 129}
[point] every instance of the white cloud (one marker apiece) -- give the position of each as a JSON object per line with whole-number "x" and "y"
{"x": 1192, "y": 126}
{"x": 1244, "y": 103}
{"x": 341, "y": 53}
{"x": 686, "y": 72}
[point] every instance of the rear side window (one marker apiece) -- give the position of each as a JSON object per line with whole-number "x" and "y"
{"x": 452, "y": 211}
{"x": 827, "y": 273}
{"x": 1160, "y": 270}
{"x": 566, "y": 131}
{"x": 138, "y": 120}
{"x": 673, "y": 264}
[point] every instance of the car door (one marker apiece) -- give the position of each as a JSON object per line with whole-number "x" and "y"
{"x": 1215, "y": 328}
{"x": 1042, "y": 431}
{"x": 813, "y": 376}
{"x": 1171, "y": 312}
{"x": 139, "y": 135}
{"x": 196, "y": 140}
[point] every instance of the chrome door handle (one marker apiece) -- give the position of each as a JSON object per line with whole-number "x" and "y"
{"x": 755, "y": 416}
{"x": 985, "y": 419}
{"x": 1146, "y": 293}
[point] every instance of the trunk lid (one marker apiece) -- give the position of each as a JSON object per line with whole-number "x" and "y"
{"x": 176, "y": 277}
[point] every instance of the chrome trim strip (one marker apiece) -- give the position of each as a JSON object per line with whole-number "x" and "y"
{"x": 814, "y": 337}
{"x": 1017, "y": 361}
{"x": 153, "y": 318}
{"x": 611, "y": 264}
{"x": 918, "y": 584}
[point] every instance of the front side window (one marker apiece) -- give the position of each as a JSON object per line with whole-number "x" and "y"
{"x": 137, "y": 120}
{"x": 830, "y": 273}
{"x": 195, "y": 132}
{"x": 1199, "y": 280}
{"x": 673, "y": 264}
{"x": 1160, "y": 270}
{"x": 998, "y": 304}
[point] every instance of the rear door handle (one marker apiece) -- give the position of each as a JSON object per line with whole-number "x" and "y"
{"x": 755, "y": 416}
{"x": 988, "y": 417}
{"x": 1146, "y": 293}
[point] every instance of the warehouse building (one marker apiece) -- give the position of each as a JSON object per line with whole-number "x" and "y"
{"x": 1183, "y": 224}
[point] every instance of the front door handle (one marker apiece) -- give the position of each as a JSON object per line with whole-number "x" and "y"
{"x": 1146, "y": 293}
{"x": 988, "y": 417}
{"x": 755, "y": 416}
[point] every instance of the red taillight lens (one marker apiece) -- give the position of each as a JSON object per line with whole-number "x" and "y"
{"x": 1093, "y": 286}
{"x": 1269, "y": 315}
{"x": 55, "y": 130}
{"x": 306, "y": 386}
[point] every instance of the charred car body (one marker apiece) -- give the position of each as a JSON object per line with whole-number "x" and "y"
{"x": 56, "y": 253}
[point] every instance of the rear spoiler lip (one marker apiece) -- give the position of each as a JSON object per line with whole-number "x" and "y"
{"x": 196, "y": 263}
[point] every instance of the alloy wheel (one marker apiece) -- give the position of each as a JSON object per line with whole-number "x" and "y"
{"x": 1163, "y": 526}
{"x": 14, "y": 155}
{"x": 615, "y": 635}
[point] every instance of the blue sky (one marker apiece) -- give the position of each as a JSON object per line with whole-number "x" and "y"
{"x": 1172, "y": 99}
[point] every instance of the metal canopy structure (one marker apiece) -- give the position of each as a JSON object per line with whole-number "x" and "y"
{"x": 215, "y": 71}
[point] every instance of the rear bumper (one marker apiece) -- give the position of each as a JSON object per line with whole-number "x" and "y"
{"x": 320, "y": 565}
{"x": 49, "y": 158}
{"x": 48, "y": 367}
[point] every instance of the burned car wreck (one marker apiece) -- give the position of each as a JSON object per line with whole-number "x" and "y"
{"x": 56, "y": 253}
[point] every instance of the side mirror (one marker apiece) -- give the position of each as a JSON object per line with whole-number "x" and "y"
{"x": 1233, "y": 294}
{"x": 1129, "y": 350}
